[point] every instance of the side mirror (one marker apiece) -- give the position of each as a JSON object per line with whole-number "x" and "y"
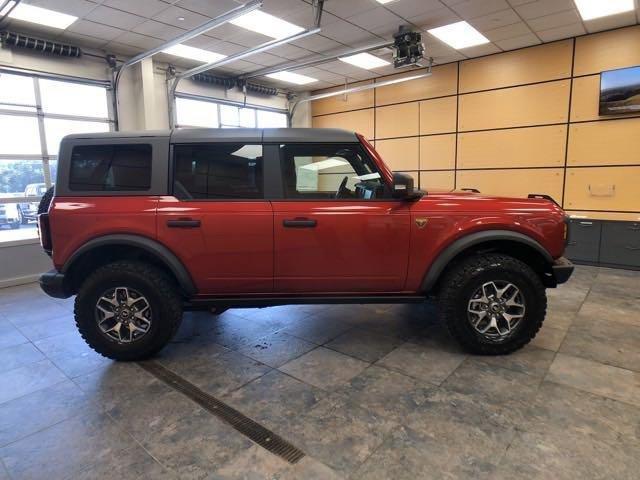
{"x": 403, "y": 187}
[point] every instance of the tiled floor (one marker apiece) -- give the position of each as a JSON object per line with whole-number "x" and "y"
{"x": 367, "y": 392}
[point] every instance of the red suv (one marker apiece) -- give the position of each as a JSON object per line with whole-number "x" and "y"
{"x": 145, "y": 225}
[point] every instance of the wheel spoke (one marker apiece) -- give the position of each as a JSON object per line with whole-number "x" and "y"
{"x": 495, "y": 309}
{"x": 123, "y": 314}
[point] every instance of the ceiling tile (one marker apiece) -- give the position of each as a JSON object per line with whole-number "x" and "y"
{"x": 568, "y": 17}
{"x": 477, "y": 8}
{"x": 409, "y": 8}
{"x": 518, "y": 42}
{"x": 265, "y": 59}
{"x": 93, "y": 29}
{"x": 510, "y": 31}
{"x": 558, "y": 33}
{"x": 144, "y": 8}
{"x": 114, "y": 18}
{"x": 171, "y": 15}
{"x": 225, "y": 48}
{"x": 345, "y": 9}
{"x": 435, "y": 18}
{"x": 541, "y": 8}
{"x": 282, "y": 7}
{"x": 481, "y": 50}
{"x": 78, "y": 8}
{"x": 613, "y": 21}
{"x": 375, "y": 18}
{"x": 207, "y": 7}
{"x": 495, "y": 20}
{"x": 155, "y": 29}
{"x": 347, "y": 34}
{"x": 81, "y": 40}
{"x": 454, "y": 57}
{"x": 140, "y": 41}
{"x": 122, "y": 49}
{"x": 317, "y": 43}
{"x": 290, "y": 52}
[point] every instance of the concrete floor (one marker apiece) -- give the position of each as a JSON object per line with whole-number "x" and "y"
{"x": 370, "y": 392}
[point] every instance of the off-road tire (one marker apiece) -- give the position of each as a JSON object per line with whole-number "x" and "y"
{"x": 23, "y": 220}
{"x": 155, "y": 285}
{"x": 45, "y": 201}
{"x": 465, "y": 276}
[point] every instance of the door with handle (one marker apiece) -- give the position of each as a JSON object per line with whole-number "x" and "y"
{"x": 337, "y": 230}
{"x": 218, "y": 221}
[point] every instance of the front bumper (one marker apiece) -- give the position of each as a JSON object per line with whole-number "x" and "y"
{"x": 562, "y": 269}
{"x": 53, "y": 284}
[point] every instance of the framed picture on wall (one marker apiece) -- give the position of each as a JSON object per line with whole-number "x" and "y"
{"x": 620, "y": 91}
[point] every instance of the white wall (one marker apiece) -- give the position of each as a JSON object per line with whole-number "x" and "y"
{"x": 142, "y": 105}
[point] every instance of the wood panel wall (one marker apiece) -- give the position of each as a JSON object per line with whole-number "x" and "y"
{"x": 513, "y": 123}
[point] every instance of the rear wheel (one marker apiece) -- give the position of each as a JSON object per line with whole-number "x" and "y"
{"x": 128, "y": 310}
{"x": 492, "y": 304}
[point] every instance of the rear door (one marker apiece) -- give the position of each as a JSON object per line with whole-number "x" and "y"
{"x": 217, "y": 220}
{"x": 337, "y": 229}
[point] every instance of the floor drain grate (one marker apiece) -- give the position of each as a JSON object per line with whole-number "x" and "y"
{"x": 243, "y": 424}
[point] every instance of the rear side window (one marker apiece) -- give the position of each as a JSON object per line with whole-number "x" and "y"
{"x": 110, "y": 168}
{"x": 218, "y": 171}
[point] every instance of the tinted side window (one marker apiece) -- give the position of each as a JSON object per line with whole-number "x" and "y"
{"x": 218, "y": 171}
{"x": 110, "y": 168}
{"x": 340, "y": 171}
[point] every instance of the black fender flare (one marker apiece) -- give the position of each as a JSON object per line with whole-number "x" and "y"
{"x": 156, "y": 249}
{"x": 449, "y": 253}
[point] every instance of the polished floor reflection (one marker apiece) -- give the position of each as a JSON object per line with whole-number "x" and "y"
{"x": 367, "y": 392}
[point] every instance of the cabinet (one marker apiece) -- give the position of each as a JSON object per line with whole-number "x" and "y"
{"x": 609, "y": 243}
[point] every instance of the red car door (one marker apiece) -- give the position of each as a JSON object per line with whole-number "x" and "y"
{"x": 337, "y": 230}
{"x": 218, "y": 221}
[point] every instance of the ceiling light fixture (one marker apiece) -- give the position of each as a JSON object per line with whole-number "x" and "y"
{"x": 261, "y": 22}
{"x": 39, "y": 15}
{"x": 385, "y": 1}
{"x": 365, "y": 60}
{"x": 459, "y": 35}
{"x": 193, "y": 53}
{"x": 591, "y": 9}
{"x": 291, "y": 77}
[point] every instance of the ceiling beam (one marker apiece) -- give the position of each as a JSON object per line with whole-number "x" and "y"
{"x": 213, "y": 23}
{"x": 251, "y": 51}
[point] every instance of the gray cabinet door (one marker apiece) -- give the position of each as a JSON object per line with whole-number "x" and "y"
{"x": 620, "y": 244}
{"x": 584, "y": 240}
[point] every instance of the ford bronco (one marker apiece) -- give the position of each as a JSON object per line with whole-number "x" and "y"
{"x": 145, "y": 225}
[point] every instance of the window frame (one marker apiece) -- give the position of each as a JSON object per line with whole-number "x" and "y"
{"x": 220, "y": 102}
{"x": 37, "y": 111}
{"x": 265, "y": 162}
{"x": 279, "y": 161}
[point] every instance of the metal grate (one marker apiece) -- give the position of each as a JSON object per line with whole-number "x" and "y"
{"x": 243, "y": 424}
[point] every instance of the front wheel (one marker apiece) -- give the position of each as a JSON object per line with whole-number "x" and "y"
{"x": 492, "y": 304}
{"x": 128, "y": 310}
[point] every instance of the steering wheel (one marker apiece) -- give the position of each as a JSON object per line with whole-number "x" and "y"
{"x": 342, "y": 189}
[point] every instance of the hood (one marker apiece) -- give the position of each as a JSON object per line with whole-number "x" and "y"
{"x": 476, "y": 202}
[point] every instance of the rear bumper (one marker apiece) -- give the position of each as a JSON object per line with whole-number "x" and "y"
{"x": 562, "y": 269}
{"x": 53, "y": 284}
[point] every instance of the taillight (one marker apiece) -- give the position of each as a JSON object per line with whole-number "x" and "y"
{"x": 45, "y": 232}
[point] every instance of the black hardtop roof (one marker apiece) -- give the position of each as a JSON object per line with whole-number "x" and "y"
{"x": 249, "y": 135}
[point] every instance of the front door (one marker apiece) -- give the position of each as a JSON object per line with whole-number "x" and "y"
{"x": 217, "y": 221}
{"x": 337, "y": 229}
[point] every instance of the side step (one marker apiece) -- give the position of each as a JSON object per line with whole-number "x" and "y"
{"x": 253, "y": 302}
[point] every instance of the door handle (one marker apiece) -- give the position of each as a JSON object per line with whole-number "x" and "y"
{"x": 183, "y": 223}
{"x": 299, "y": 223}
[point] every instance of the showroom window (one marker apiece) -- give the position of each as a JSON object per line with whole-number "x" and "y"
{"x": 202, "y": 113}
{"x": 35, "y": 113}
